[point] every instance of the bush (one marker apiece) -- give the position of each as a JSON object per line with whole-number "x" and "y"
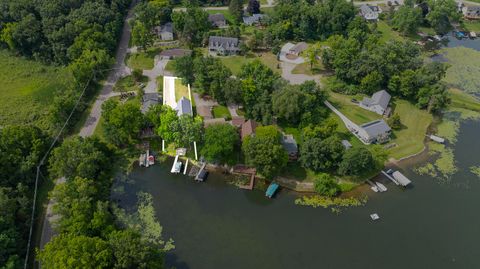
{"x": 326, "y": 185}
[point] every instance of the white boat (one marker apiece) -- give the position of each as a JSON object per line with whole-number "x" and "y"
{"x": 381, "y": 187}
{"x": 374, "y": 216}
{"x": 142, "y": 160}
{"x": 374, "y": 188}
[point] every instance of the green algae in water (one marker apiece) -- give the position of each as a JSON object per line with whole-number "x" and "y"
{"x": 335, "y": 204}
{"x": 475, "y": 170}
{"x": 443, "y": 167}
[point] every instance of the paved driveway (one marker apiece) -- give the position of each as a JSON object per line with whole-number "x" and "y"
{"x": 296, "y": 79}
{"x": 158, "y": 70}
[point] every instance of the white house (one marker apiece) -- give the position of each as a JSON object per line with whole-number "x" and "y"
{"x": 378, "y": 103}
{"x": 471, "y": 12}
{"x": 370, "y": 13}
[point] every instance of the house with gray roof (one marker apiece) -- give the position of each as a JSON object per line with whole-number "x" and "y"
{"x": 184, "y": 107}
{"x": 290, "y": 146}
{"x": 254, "y": 19}
{"x": 369, "y": 12}
{"x": 217, "y": 20}
{"x": 220, "y": 45}
{"x": 378, "y": 103}
{"x": 376, "y": 131}
{"x": 164, "y": 32}
{"x": 148, "y": 100}
{"x": 471, "y": 12}
{"x": 298, "y": 48}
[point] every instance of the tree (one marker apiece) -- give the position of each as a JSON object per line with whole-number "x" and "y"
{"x": 187, "y": 130}
{"x": 76, "y": 252}
{"x": 220, "y": 141}
{"x": 233, "y": 91}
{"x": 130, "y": 251}
{"x": 79, "y": 157}
{"x": 288, "y": 104}
{"x": 265, "y": 153}
{"x": 253, "y": 7}
{"x": 371, "y": 82}
{"x": 210, "y": 77}
{"x": 394, "y": 122}
{"x": 184, "y": 68}
{"x": 357, "y": 161}
{"x": 236, "y": 9}
{"x": 321, "y": 155}
{"x": 312, "y": 54}
{"x": 141, "y": 35}
{"x": 326, "y": 129}
{"x": 442, "y": 14}
{"x": 168, "y": 120}
{"x": 122, "y": 123}
{"x": 80, "y": 209}
{"x": 325, "y": 185}
{"x": 191, "y": 26}
{"x": 407, "y": 19}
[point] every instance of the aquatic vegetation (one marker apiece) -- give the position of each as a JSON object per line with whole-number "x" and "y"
{"x": 464, "y": 71}
{"x": 335, "y": 204}
{"x": 475, "y": 170}
{"x": 444, "y": 165}
{"x": 427, "y": 169}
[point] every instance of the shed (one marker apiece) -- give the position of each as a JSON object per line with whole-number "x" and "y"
{"x": 403, "y": 180}
{"x": 248, "y": 128}
{"x": 217, "y": 20}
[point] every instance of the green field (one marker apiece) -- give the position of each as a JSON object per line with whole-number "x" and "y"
{"x": 143, "y": 60}
{"x": 235, "y": 63}
{"x": 351, "y": 110}
{"x": 180, "y": 90}
{"x": 27, "y": 88}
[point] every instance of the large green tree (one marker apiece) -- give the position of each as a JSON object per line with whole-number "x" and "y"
{"x": 442, "y": 14}
{"x": 407, "y": 19}
{"x": 324, "y": 184}
{"x": 122, "y": 122}
{"x": 265, "y": 152}
{"x": 357, "y": 161}
{"x": 321, "y": 155}
{"x": 220, "y": 142}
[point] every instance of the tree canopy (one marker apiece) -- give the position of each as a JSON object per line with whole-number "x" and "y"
{"x": 220, "y": 142}
{"x": 122, "y": 122}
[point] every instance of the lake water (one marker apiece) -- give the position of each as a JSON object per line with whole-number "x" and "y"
{"x": 215, "y": 225}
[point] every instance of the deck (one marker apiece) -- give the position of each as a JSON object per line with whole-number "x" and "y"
{"x": 243, "y": 170}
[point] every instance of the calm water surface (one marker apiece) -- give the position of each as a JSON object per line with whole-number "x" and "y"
{"x": 214, "y": 225}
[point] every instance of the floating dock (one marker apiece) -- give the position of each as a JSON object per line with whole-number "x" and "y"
{"x": 437, "y": 139}
{"x": 374, "y": 216}
{"x": 381, "y": 187}
{"x": 402, "y": 180}
{"x": 271, "y": 190}
{"x": 374, "y": 187}
{"x": 390, "y": 177}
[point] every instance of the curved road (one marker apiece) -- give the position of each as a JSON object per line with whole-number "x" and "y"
{"x": 119, "y": 70}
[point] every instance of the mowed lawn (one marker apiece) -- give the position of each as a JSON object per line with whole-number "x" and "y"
{"x": 27, "y": 88}
{"x": 235, "y": 63}
{"x": 351, "y": 110}
{"x": 410, "y": 138}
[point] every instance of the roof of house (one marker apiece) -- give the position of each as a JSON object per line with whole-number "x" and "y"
{"x": 175, "y": 52}
{"x": 184, "y": 107}
{"x": 216, "y": 17}
{"x": 253, "y": 19}
{"x": 237, "y": 121}
{"x": 376, "y": 127}
{"x": 167, "y": 27}
{"x": 148, "y": 100}
{"x": 472, "y": 8}
{"x": 369, "y": 12}
{"x": 299, "y": 47}
{"x": 289, "y": 144}
{"x": 228, "y": 43}
{"x": 346, "y": 144}
{"x": 381, "y": 98}
{"x": 248, "y": 128}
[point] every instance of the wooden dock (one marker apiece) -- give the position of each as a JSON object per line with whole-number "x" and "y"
{"x": 243, "y": 170}
{"x": 391, "y": 178}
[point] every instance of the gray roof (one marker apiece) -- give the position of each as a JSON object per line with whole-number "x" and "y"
{"x": 148, "y": 100}
{"x": 290, "y": 144}
{"x": 227, "y": 43}
{"x": 403, "y": 180}
{"x": 299, "y": 47}
{"x": 376, "y": 128}
{"x": 252, "y": 19}
{"x": 184, "y": 107}
{"x": 381, "y": 98}
{"x": 346, "y": 144}
{"x": 216, "y": 17}
{"x": 369, "y": 12}
{"x": 167, "y": 27}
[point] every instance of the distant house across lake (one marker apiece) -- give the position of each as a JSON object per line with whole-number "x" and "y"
{"x": 471, "y": 12}
{"x": 217, "y": 20}
{"x": 254, "y": 19}
{"x": 378, "y": 103}
{"x": 220, "y": 45}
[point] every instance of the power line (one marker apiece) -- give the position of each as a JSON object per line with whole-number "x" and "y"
{"x": 40, "y": 165}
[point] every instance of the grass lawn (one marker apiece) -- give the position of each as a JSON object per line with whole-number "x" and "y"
{"x": 28, "y": 88}
{"x": 352, "y": 111}
{"x": 170, "y": 66}
{"x": 387, "y": 32}
{"x": 180, "y": 90}
{"x": 221, "y": 112}
{"x": 472, "y": 25}
{"x": 235, "y": 63}
{"x": 463, "y": 100}
{"x": 127, "y": 84}
{"x": 410, "y": 138}
{"x": 305, "y": 69}
{"x": 143, "y": 60}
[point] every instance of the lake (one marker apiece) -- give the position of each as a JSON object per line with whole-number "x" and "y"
{"x": 215, "y": 225}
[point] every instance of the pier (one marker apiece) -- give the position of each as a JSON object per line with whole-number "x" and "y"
{"x": 243, "y": 170}
{"x": 391, "y": 178}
